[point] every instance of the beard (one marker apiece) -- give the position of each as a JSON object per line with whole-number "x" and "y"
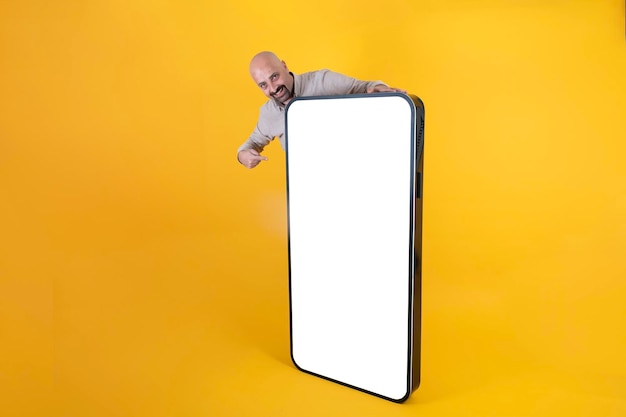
{"x": 279, "y": 90}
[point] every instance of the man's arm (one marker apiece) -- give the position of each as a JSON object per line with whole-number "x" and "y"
{"x": 249, "y": 154}
{"x": 336, "y": 83}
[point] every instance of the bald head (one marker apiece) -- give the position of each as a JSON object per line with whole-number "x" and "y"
{"x": 262, "y": 59}
{"x": 272, "y": 76}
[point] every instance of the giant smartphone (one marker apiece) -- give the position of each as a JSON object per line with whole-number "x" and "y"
{"x": 354, "y": 193}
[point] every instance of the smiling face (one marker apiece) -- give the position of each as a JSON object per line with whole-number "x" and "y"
{"x": 272, "y": 76}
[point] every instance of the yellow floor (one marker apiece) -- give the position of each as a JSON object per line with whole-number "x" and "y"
{"x": 171, "y": 329}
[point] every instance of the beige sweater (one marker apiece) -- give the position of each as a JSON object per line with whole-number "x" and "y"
{"x": 271, "y": 122}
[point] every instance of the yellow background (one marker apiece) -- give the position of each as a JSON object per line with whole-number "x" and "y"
{"x": 143, "y": 272}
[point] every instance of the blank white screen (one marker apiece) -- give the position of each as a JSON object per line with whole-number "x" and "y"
{"x": 349, "y": 182}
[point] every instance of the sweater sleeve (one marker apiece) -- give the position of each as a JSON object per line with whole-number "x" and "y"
{"x": 258, "y": 139}
{"x": 336, "y": 83}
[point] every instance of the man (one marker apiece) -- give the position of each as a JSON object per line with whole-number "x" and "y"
{"x": 280, "y": 85}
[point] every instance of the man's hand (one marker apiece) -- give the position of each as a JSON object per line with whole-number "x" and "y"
{"x": 380, "y": 88}
{"x": 250, "y": 158}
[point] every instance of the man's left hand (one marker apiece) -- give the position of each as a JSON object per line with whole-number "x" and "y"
{"x": 380, "y": 88}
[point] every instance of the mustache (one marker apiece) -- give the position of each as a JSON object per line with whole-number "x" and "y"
{"x": 273, "y": 93}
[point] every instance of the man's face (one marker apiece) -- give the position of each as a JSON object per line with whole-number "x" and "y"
{"x": 273, "y": 79}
